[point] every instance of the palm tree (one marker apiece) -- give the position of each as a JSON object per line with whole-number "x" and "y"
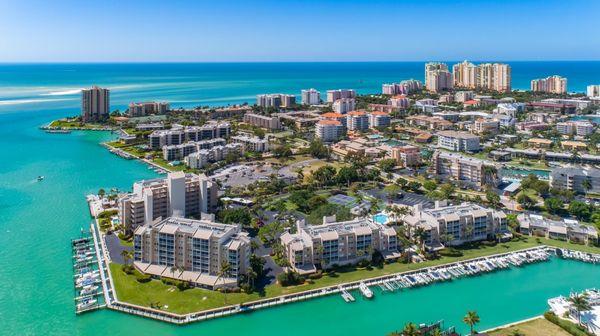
{"x": 410, "y": 329}
{"x": 436, "y": 332}
{"x": 580, "y": 304}
{"x": 126, "y": 257}
{"x": 419, "y": 236}
{"x": 586, "y": 185}
{"x": 471, "y": 319}
{"x": 223, "y": 272}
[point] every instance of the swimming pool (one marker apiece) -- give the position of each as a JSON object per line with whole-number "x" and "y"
{"x": 380, "y": 218}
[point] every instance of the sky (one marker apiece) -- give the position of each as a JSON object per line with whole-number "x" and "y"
{"x": 279, "y": 31}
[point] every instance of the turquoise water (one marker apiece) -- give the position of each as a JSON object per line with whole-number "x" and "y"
{"x": 516, "y": 172}
{"x": 592, "y": 118}
{"x": 37, "y": 219}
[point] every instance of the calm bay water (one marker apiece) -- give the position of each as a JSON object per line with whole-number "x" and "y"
{"x": 37, "y": 219}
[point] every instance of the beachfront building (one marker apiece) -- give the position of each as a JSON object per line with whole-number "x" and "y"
{"x": 147, "y": 108}
{"x": 179, "y": 152}
{"x": 379, "y": 119}
{"x": 357, "y": 121}
{"x": 202, "y": 157}
{"x": 581, "y": 128}
{"x": 179, "y": 195}
{"x": 193, "y": 251}
{"x": 178, "y": 134}
{"x": 552, "y": 84}
{"x": 275, "y": 100}
{"x": 263, "y": 121}
{"x": 330, "y": 130}
{"x": 333, "y": 95}
{"x": 310, "y": 97}
{"x": 593, "y": 91}
{"x": 576, "y": 179}
{"x": 457, "y": 224}
{"x": 565, "y": 229}
{"x": 344, "y": 105}
{"x": 337, "y": 243}
{"x": 456, "y": 167}
{"x": 95, "y": 104}
{"x": 486, "y": 76}
{"x": 458, "y": 141}
{"x": 251, "y": 143}
{"x": 437, "y": 77}
{"x": 404, "y": 87}
{"x": 406, "y": 156}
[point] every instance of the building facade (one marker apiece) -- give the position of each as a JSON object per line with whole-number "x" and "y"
{"x": 333, "y": 95}
{"x": 252, "y": 143}
{"x": 193, "y": 251}
{"x": 576, "y": 179}
{"x": 338, "y": 243}
{"x": 357, "y": 121}
{"x": 458, "y": 141}
{"x": 437, "y": 77}
{"x": 310, "y": 97}
{"x": 263, "y": 121}
{"x": 344, "y": 105}
{"x": 178, "y": 195}
{"x": 471, "y": 171}
{"x": 330, "y": 130}
{"x": 95, "y": 104}
{"x": 147, "y": 108}
{"x": 552, "y": 84}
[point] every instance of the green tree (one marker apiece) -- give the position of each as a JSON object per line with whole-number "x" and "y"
{"x": 222, "y": 274}
{"x": 387, "y": 165}
{"x": 430, "y": 185}
{"x": 525, "y": 201}
{"x": 492, "y": 197}
{"x": 553, "y": 204}
{"x": 471, "y": 319}
{"x": 580, "y": 210}
{"x": 410, "y": 329}
{"x": 447, "y": 190}
{"x": 580, "y": 304}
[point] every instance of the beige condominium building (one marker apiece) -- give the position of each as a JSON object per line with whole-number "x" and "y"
{"x": 552, "y": 84}
{"x": 178, "y": 195}
{"x": 192, "y": 250}
{"x": 95, "y": 104}
{"x": 337, "y": 243}
{"x": 457, "y": 224}
{"x": 486, "y": 76}
{"x": 437, "y": 77}
{"x": 471, "y": 171}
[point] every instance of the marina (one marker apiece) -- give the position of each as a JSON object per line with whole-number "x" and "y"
{"x": 86, "y": 275}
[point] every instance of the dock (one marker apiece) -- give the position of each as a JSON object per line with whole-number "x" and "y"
{"x": 86, "y": 275}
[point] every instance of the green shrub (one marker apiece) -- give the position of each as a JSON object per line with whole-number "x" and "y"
{"x": 450, "y": 252}
{"x": 128, "y": 269}
{"x": 143, "y": 278}
{"x": 570, "y": 327}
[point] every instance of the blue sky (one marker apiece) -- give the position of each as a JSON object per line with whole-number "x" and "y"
{"x": 328, "y": 30}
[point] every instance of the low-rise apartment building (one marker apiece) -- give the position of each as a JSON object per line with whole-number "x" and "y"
{"x": 432, "y": 123}
{"x": 457, "y": 224}
{"x": 406, "y": 156}
{"x": 179, "y": 134}
{"x": 263, "y": 121}
{"x": 330, "y": 130}
{"x": 178, "y": 195}
{"x": 338, "y": 243}
{"x": 193, "y": 251}
{"x": 581, "y": 128}
{"x": 252, "y": 143}
{"x": 576, "y": 179}
{"x": 471, "y": 171}
{"x": 179, "y": 152}
{"x": 566, "y": 229}
{"x": 458, "y": 141}
{"x": 202, "y": 157}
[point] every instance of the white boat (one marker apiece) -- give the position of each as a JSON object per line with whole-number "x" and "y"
{"x": 365, "y": 290}
{"x": 88, "y": 290}
{"x": 86, "y": 303}
{"x": 40, "y": 178}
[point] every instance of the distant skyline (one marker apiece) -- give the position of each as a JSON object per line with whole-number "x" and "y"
{"x": 297, "y": 31}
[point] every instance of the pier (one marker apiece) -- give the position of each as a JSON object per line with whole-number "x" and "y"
{"x": 86, "y": 280}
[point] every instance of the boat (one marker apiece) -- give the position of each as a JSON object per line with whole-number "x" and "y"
{"x": 86, "y": 303}
{"x": 40, "y": 178}
{"x": 364, "y": 289}
{"x": 88, "y": 290}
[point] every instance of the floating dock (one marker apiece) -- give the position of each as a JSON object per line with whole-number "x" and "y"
{"x": 86, "y": 276}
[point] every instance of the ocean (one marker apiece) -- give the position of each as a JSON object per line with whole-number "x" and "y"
{"x": 38, "y": 219}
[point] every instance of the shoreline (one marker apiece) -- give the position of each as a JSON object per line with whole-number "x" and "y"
{"x": 183, "y": 319}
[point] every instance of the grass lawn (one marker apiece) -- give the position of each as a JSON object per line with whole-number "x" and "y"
{"x": 537, "y": 327}
{"x": 65, "y": 123}
{"x": 193, "y": 300}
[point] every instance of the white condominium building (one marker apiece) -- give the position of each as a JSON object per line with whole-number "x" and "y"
{"x": 379, "y": 119}
{"x": 333, "y": 95}
{"x": 263, "y": 121}
{"x": 593, "y": 91}
{"x": 404, "y": 87}
{"x": 193, "y": 251}
{"x": 252, "y": 143}
{"x": 202, "y": 157}
{"x": 437, "y": 77}
{"x": 486, "y": 76}
{"x": 179, "y": 134}
{"x": 458, "y": 141}
{"x": 576, "y": 179}
{"x": 338, "y": 243}
{"x": 510, "y": 109}
{"x": 357, "y": 121}
{"x": 311, "y": 97}
{"x": 457, "y": 224}
{"x": 344, "y": 105}
{"x": 179, "y": 195}
{"x": 95, "y": 104}
{"x": 147, "y": 108}
{"x": 179, "y": 152}
{"x": 565, "y": 229}
{"x": 581, "y": 128}
{"x": 471, "y": 171}
{"x": 552, "y": 84}
{"x": 275, "y": 100}
{"x": 482, "y": 126}
{"x": 330, "y": 130}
